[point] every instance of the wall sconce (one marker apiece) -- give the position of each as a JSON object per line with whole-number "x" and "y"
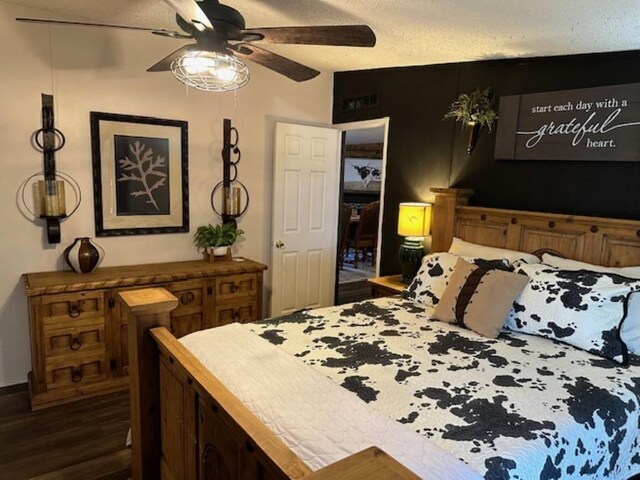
{"x": 414, "y": 223}
{"x": 49, "y": 200}
{"x": 234, "y": 195}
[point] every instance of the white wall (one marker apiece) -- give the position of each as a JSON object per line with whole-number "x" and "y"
{"x": 89, "y": 69}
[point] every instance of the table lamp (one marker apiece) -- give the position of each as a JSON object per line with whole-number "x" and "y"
{"x": 414, "y": 223}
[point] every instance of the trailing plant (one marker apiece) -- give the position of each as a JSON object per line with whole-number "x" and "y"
{"x": 474, "y": 108}
{"x": 219, "y": 236}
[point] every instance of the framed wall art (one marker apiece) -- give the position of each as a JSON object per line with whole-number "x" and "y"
{"x": 598, "y": 124}
{"x": 140, "y": 174}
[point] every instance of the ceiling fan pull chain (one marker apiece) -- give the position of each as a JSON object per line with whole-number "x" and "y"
{"x": 235, "y": 107}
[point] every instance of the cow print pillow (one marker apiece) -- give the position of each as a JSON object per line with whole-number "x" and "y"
{"x": 433, "y": 277}
{"x": 581, "y": 308}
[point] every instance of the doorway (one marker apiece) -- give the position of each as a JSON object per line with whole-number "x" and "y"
{"x": 363, "y": 163}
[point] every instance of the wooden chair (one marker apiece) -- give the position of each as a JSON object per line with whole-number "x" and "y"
{"x": 343, "y": 234}
{"x": 366, "y": 238}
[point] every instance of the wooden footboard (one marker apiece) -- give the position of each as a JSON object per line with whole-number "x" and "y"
{"x": 186, "y": 424}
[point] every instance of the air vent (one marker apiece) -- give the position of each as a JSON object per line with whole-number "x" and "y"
{"x": 360, "y": 102}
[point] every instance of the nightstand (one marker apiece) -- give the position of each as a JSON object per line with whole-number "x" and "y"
{"x": 385, "y": 286}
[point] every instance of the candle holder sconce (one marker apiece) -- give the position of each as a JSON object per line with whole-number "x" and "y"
{"x": 49, "y": 201}
{"x": 230, "y": 194}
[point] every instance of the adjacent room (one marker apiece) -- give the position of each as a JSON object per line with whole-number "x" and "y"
{"x": 359, "y": 218}
{"x": 316, "y": 239}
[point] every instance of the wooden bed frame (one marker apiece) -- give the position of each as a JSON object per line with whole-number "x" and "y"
{"x": 187, "y": 425}
{"x": 602, "y": 241}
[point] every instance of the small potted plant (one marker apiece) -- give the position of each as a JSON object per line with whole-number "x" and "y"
{"x": 474, "y": 110}
{"x": 216, "y": 240}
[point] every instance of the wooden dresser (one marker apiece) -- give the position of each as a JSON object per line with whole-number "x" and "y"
{"x": 79, "y": 333}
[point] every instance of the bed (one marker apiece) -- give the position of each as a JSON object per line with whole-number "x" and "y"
{"x": 518, "y": 406}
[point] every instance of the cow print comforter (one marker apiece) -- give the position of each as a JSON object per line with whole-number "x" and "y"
{"x": 517, "y": 407}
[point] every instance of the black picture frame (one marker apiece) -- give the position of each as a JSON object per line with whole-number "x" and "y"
{"x": 140, "y": 174}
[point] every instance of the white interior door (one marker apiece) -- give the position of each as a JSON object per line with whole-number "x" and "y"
{"x": 305, "y": 217}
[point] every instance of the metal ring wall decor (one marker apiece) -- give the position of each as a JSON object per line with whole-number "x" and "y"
{"x": 217, "y": 188}
{"x": 58, "y": 133}
{"x": 50, "y": 197}
{"x": 230, "y": 182}
{"x": 59, "y": 174}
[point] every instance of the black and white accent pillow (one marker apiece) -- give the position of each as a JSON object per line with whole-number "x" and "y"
{"x": 581, "y": 308}
{"x": 433, "y": 277}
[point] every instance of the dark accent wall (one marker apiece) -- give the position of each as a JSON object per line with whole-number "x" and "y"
{"x": 424, "y": 151}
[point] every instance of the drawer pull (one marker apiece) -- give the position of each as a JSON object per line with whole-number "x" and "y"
{"x": 234, "y": 288}
{"x": 76, "y": 375}
{"x": 74, "y": 311}
{"x": 76, "y": 343}
{"x": 187, "y": 298}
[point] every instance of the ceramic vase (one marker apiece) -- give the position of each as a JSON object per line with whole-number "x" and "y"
{"x": 220, "y": 251}
{"x": 216, "y": 254}
{"x": 83, "y": 255}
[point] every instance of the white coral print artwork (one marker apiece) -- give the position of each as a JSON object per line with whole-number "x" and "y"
{"x": 144, "y": 165}
{"x": 142, "y": 175}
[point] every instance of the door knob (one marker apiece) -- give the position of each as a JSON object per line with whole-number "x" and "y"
{"x": 279, "y": 244}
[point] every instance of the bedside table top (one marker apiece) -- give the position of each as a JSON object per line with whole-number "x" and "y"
{"x": 390, "y": 282}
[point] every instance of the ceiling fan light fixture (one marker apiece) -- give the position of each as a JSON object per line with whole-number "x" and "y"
{"x": 210, "y": 71}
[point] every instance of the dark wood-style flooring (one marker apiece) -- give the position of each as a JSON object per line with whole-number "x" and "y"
{"x": 83, "y": 440}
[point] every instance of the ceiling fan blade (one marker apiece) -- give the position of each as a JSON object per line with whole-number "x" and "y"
{"x": 164, "y": 65}
{"x": 158, "y": 31}
{"x": 190, "y": 11}
{"x": 294, "y": 70}
{"x": 337, "y": 35}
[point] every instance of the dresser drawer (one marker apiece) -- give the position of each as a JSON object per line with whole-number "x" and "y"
{"x": 190, "y": 297}
{"x": 74, "y": 337}
{"x": 185, "y": 324}
{"x": 73, "y": 306}
{"x": 231, "y": 287}
{"x": 243, "y": 312}
{"x": 79, "y": 326}
{"x": 69, "y": 372}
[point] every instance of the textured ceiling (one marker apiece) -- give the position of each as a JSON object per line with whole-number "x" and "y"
{"x": 410, "y": 32}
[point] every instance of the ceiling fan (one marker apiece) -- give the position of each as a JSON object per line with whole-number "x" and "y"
{"x": 222, "y": 41}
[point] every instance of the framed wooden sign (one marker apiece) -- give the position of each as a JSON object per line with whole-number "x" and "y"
{"x": 140, "y": 174}
{"x": 598, "y": 124}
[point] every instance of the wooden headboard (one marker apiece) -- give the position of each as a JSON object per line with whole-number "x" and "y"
{"x": 602, "y": 241}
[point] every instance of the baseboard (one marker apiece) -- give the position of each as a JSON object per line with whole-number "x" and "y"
{"x": 9, "y": 389}
{"x": 116, "y": 465}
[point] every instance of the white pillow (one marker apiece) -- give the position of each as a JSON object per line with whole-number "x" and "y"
{"x": 630, "y": 331}
{"x": 468, "y": 249}
{"x": 566, "y": 264}
{"x": 433, "y": 277}
{"x": 578, "y": 307}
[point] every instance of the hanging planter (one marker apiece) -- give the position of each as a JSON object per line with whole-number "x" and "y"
{"x": 473, "y": 128}
{"x": 473, "y": 110}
